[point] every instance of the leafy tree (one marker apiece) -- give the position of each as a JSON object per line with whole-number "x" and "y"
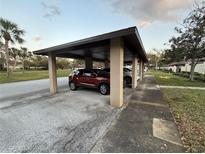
{"x": 77, "y": 63}
{"x": 39, "y": 62}
{"x": 30, "y": 54}
{"x": 11, "y": 33}
{"x": 98, "y": 64}
{"x": 28, "y": 64}
{"x": 152, "y": 59}
{"x": 191, "y": 39}
{"x": 155, "y": 58}
{"x": 173, "y": 55}
{"x": 62, "y": 63}
{"x": 1, "y": 45}
{"x": 2, "y": 56}
{"x": 24, "y": 55}
{"x": 14, "y": 52}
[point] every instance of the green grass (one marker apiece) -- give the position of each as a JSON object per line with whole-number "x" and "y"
{"x": 188, "y": 109}
{"x": 29, "y": 75}
{"x": 174, "y": 80}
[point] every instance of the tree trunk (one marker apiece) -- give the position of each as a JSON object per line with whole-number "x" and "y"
{"x": 156, "y": 63}
{"x": 156, "y": 66}
{"x": 14, "y": 67}
{"x": 191, "y": 76}
{"x": 23, "y": 66}
{"x": 7, "y": 58}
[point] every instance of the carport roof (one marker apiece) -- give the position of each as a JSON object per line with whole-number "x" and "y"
{"x": 98, "y": 47}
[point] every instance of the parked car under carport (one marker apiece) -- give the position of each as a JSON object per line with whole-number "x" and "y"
{"x": 118, "y": 47}
{"x": 92, "y": 78}
{"x": 127, "y": 75}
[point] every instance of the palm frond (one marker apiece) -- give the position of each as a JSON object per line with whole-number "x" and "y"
{"x": 12, "y": 30}
{"x": 18, "y": 39}
{"x": 24, "y": 49}
{"x": 1, "y": 45}
{"x": 12, "y": 41}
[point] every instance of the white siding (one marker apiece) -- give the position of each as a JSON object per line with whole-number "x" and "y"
{"x": 200, "y": 68}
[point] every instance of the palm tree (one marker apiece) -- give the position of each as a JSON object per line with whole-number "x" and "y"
{"x": 1, "y": 45}
{"x": 10, "y": 32}
{"x": 24, "y": 54}
{"x": 30, "y": 54}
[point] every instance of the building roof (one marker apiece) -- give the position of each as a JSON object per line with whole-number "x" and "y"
{"x": 98, "y": 47}
{"x": 177, "y": 63}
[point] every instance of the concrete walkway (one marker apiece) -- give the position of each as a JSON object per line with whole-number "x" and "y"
{"x": 183, "y": 87}
{"x": 146, "y": 125}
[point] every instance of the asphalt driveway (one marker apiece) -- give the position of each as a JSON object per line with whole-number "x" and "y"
{"x": 83, "y": 121}
{"x": 70, "y": 121}
{"x": 10, "y": 90}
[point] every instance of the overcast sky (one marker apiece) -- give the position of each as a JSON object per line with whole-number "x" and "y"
{"x": 53, "y": 22}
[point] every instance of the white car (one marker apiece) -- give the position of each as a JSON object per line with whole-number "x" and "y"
{"x": 127, "y": 74}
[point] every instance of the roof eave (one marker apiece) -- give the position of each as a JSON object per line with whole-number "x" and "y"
{"x": 107, "y": 36}
{"x": 101, "y": 37}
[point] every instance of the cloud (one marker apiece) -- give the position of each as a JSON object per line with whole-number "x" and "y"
{"x": 37, "y": 38}
{"x": 51, "y": 10}
{"x": 144, "y": 23}
{"x": 145, "y": 12}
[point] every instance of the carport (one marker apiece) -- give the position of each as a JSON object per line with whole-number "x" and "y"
{"x": 114, "y": 49}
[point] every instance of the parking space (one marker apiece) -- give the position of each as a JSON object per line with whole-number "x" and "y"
{"x": 70, "y": 121}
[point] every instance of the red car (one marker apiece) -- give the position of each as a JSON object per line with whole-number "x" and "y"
{"x": 94, "y": 78}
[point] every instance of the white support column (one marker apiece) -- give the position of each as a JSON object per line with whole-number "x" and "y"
{"x": 52, "y": 73}
{"x": 88, "y": 62}
{"x": 116, "y": 72}
{"x": 134, "y": 72}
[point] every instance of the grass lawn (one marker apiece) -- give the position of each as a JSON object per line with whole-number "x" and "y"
{"x": 174, "y": 80}
{"x": 188, "y": 109}
{"x": 29, "y": 75}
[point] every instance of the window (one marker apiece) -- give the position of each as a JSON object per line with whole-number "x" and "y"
{"x": 107, "y": 69}
{"x": 75, "y": 72}
{"x": 127, "y": 70}
{"x": 87, "y": 73}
